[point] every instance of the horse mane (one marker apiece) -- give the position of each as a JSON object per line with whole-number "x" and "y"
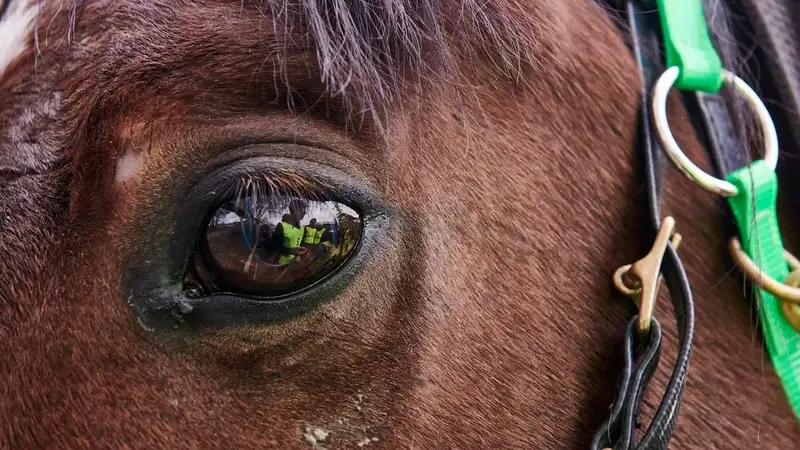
{"x": 366, "y": 45}
{"x": 367, "y": 50}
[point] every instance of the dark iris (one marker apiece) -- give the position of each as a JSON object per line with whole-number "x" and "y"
{"x": 272, "y": 244}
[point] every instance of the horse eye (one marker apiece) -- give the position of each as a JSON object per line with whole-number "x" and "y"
{"x": 274, "y": 245}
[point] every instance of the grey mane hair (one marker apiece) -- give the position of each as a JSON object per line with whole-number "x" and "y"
{"x": 369, "y": 49}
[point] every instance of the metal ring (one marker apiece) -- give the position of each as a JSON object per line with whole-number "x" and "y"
{"x": 706, "y": 181}
{"x": 782, "y": 291}
{"x": 791, "y": 311}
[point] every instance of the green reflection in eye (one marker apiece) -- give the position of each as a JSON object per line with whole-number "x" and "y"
{"x": 267, "y": 243}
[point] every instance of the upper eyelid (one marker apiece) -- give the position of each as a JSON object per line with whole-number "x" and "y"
{"x": 357, "y": 168}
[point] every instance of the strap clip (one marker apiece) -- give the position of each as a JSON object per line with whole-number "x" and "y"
{"x": 641, "y": 280}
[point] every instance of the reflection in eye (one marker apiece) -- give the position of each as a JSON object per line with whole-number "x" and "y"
{"x": 270, "y": 244}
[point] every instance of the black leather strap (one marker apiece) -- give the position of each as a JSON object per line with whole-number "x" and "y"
{"x": 618, "y": 430}
{"x": 720, "y": 132}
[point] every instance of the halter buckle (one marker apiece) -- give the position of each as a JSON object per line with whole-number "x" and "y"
{"x": 640, "y": 281}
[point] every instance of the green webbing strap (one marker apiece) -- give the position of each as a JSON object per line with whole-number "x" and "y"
{"x": 688, "y": 45}
{"x": 754, "y": 210}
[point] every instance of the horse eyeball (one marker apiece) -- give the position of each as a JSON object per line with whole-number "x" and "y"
{"x": 275, "y": 245}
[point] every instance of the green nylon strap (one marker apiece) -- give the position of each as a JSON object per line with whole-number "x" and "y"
{"x": 687, "y": 43}
{"x": 754, "y": 208}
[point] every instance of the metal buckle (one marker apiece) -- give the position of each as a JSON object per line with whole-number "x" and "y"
{"x": 640, "y": 281}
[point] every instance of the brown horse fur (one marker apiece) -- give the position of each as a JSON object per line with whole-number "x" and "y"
{"x": 510, "y": 123}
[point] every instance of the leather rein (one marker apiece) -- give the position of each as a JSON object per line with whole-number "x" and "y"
{"x": 618, "y": 431}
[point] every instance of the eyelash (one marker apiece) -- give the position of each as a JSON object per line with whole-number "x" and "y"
{"x": 272, "y": 183}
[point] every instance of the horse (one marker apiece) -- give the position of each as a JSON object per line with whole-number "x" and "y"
{"x": 489, "y": 148}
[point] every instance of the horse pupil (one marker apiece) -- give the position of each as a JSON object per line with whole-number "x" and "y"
{"x": 273, "y": 245}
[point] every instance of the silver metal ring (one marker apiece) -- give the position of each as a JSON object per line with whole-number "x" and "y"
{"x": 706, "y": 181}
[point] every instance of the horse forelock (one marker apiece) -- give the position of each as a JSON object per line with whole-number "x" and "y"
{"x": 365, "y": 51}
